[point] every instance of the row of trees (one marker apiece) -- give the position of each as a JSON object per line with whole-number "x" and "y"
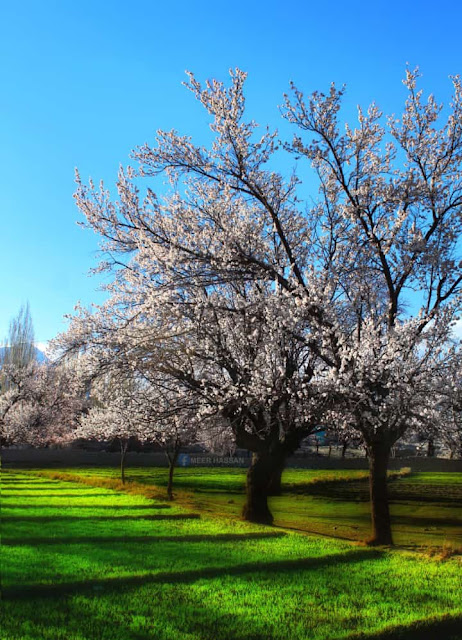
{"x": 236, "y": 303}
{"x": 59, "y": 403}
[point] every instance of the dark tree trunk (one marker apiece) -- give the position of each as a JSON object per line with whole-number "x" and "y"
{"x": 430, "y": 448}
{"x": 344, "y": 448}
{"x": 258, "y": 476}
{"x": 265, "y": 471}
{"x": 275, "y": 479}
{"x": 123, "y": 451}
{"x": 379, "y": 454}
{"x": 172, "y": 457}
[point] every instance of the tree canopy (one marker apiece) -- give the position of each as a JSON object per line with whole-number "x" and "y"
{"x": 275, "y": 314}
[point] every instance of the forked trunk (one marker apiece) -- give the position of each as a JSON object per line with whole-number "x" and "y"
{"x": 258, "y": 477}
{"x": 378, "y": 465}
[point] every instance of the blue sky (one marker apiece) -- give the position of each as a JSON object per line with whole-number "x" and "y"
{"x": 85, "y": 82}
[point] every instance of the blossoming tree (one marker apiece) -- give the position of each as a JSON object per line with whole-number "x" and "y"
{"x": 327, "y": 284}
{"x": 393, "y": 198}
{"x": 42, "y": 406}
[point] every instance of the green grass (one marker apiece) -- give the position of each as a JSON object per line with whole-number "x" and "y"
{"x": 93, "y": 563}
{"x": 426, "y": 508}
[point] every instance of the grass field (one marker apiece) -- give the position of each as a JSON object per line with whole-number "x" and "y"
{"x": 83, "y": 562}
{"x": 426, "y": 508}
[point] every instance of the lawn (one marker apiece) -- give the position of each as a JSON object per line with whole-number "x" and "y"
{"x": 426, "y": 508}
{"x": 83, "y": 562}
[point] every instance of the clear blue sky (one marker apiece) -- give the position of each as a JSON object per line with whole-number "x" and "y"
{"x": 82, "y": 83}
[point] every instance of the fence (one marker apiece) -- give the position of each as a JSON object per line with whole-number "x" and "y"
{"x": 30, "y": 458}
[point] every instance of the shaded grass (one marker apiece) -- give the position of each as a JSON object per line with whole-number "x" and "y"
{"x": 446, "y": 627}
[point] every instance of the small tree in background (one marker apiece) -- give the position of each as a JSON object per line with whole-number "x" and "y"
{"x": 130, "y": 406}
{"x": 116, "y": 414}
{"x": 18, "y": 350}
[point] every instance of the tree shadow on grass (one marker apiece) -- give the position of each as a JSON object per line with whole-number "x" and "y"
{"x": 29, "y": 483}
{"x": 173, "y": 516}
{"x": 142, "y": 507}
{"x": 61, "y": 495}
{"x": 338, "y": 519}
{"x": 213, "y": 489}
{"x": 396, "y": 519}
{"x": 358, "y": 491}
{"x": 442, "y": 500}
{"x": 421, "y": 521}
{"x": 22, "y": 491}
{"x": 219, "y": 538}
{"x": 446, "y": 628}
{"x": 338, "y": 488}
{"x": 179, "y": 621}
{"x": 184, "y": 577}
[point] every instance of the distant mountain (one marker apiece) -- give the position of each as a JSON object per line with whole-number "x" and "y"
{"x": 39, "y": 355}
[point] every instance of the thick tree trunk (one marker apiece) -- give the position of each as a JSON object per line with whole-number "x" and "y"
{"x": 275, "y": 479}
{"x": 378, "y": 465}
{"x": 258, "y": 476}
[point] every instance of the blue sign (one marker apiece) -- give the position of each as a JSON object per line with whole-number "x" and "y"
{"x": 184, "y": 460}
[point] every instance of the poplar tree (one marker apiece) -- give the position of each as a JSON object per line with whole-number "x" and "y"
{"x": 18, "y": 350}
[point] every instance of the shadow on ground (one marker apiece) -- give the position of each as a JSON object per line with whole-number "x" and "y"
{"x": 183, "y": 577}
{"x": 448, "y": 628}
{"x": 219, "y": 538}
